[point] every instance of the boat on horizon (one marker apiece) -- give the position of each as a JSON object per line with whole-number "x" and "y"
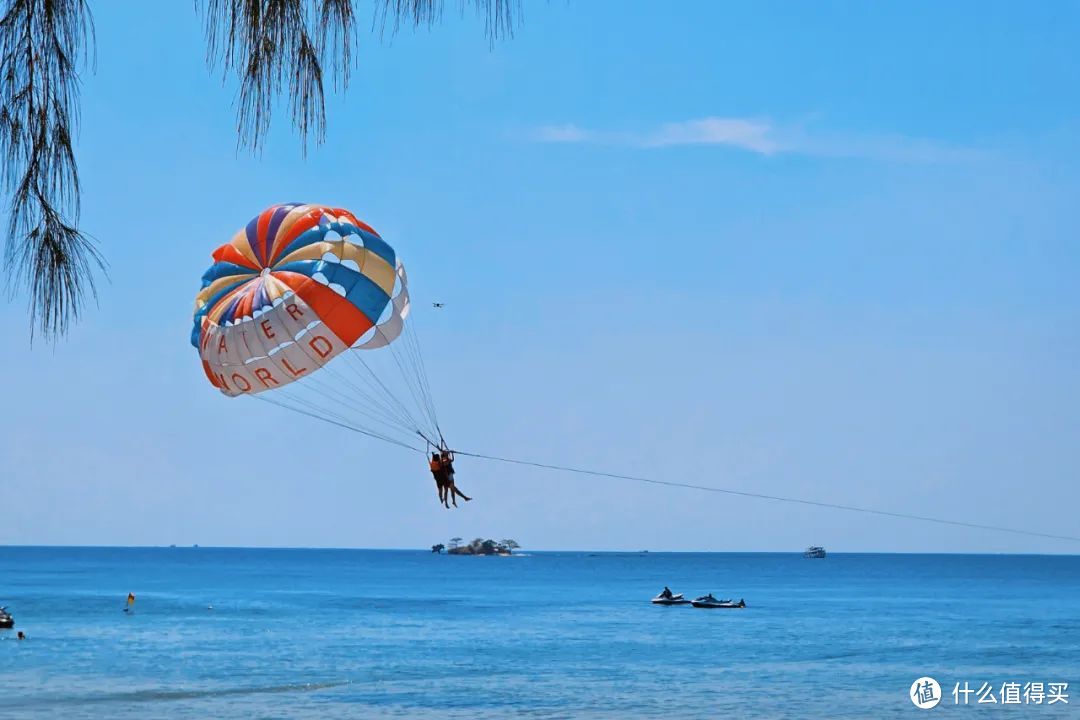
{"x": 814, "y": 551}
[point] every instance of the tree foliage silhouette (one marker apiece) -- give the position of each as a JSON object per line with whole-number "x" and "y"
{"x": 274, "y": 48}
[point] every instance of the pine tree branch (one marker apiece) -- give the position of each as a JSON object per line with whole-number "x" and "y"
{"x": 287, "y": 45}
{"x": 45, "y": 253}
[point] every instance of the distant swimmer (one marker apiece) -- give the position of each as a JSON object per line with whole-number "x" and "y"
{"x": 448, "y": 470}
{"x": 20, "y": 635}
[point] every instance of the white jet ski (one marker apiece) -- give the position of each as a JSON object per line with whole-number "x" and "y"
{"x": 677, "y": 599}
{"x": 708, "y": 601}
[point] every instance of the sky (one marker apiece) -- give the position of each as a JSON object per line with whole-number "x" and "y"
{"x": 827, "y": 251}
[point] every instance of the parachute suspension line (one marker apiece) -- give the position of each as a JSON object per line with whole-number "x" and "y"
{"x": 344, "y": 425}
{"x": 392, "y": 415}
{"x": 391, "y": 411}
{"x": 333, "y": 397}
{"x": 411, "y": 362}
{"x": 413, "y": 337}
{"x": 414, "y": 341}
{"x": 410, "y": 383}
{"x": 389, "y": 397}
{"x": 410, "y": 371}
{"x": 310, "y": 405}
{"x": 414, "y": 426}
{"x": 358, "y": 403}
{"x": 777, "y": 498}
{"x": 340, "y": 396}
{"x": 315, "y": 407}
{"x": 413, "y": 380}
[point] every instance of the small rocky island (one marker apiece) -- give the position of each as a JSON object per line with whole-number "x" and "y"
{"x": 479, "y": 546}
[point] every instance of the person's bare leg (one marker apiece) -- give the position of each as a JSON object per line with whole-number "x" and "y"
{"x": 464, "y": 497}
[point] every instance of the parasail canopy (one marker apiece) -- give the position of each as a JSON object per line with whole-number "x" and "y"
{"x": 299, "y": 286}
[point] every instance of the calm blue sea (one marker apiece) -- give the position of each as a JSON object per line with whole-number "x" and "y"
{"x": 234, "y": 633}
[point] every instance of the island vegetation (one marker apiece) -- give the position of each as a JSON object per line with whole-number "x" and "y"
{"x": 479, "y": 546}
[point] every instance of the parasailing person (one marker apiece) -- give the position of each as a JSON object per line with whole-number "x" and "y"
{"x": 300, "y": 308}
{"x": 447, "y": 457}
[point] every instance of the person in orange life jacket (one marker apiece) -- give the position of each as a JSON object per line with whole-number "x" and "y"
{"x": 439, "y": 473}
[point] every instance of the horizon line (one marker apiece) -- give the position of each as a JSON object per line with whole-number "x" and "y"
{"x": 526, "y": 551}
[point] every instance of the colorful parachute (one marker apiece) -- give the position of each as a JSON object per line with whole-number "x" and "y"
{"x": 296, "y": 288}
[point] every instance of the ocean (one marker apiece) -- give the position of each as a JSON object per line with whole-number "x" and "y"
{"x": 277, "y": 633}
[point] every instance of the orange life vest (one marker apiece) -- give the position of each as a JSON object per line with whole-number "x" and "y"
{"x": 436, "y": 465}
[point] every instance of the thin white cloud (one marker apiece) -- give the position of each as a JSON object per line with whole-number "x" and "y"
{"x": 561, "y": 134}
{"x": 760, "y": 136}
{"x": 886, "y": 148}
{"x": 753, "y": 135}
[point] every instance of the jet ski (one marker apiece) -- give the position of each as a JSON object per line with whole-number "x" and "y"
{"x": 708, "y": 601}
{"x": 677, "y": 599}
{"x": 6, "y": 621}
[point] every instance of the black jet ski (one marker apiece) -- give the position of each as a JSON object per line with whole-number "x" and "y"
{"x": 708, "y": 601}
{"x": 678, "y": 599}
{"x": 6, "y": 621}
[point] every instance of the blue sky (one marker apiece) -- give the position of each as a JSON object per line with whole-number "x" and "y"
{"x": 827, "y": 251}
